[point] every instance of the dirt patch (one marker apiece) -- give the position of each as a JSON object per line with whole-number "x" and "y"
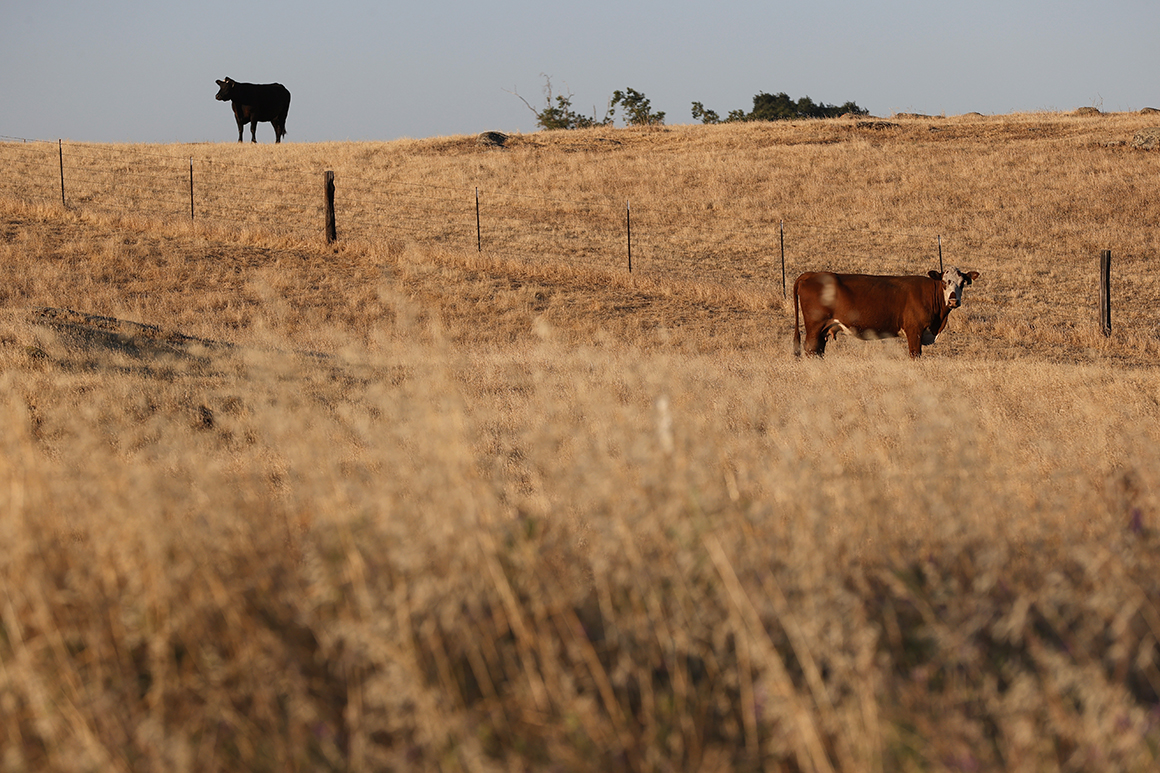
{"x": 875, "y": 125}
{"x": 132, "y": 338}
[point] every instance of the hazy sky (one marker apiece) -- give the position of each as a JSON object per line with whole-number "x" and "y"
{"x": 144, "y": 71}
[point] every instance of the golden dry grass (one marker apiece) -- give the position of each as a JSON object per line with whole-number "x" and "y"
{"x": 396, "y": 504}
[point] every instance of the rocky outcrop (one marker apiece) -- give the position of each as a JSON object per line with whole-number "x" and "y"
{"x": 1147, "y": 139}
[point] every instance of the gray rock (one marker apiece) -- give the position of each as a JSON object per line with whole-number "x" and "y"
{"x": 491, "y": 139}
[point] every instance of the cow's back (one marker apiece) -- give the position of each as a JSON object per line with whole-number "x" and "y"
{"x": 262, "y": 101}
{"x": 879, "y": 302}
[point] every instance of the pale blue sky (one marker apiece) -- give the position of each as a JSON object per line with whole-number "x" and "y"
{"x": 140, "y": 71}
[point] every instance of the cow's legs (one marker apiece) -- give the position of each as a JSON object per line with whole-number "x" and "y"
{"x": 253, "y": 131}
{"x": 914, "y": 342}
{"x": 241, "y": 128}
{"x": 816, "y": 335}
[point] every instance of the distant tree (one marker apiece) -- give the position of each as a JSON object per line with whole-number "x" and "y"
{"x": 637, "y": 109}
{"x": 778, "y": 107}
{"x": 703, "y": 115}
{"x": 852, "y": 108}
{"x": 773, "y": 107}
{"x": 557, "y": 112}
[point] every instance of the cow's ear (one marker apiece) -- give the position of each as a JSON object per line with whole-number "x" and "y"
{"x": 220, "y": 83}
{"x": 934, "y": 275}
{"x": 972, "y": 276}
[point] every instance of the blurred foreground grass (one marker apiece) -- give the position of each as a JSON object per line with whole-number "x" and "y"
{"x": 572, "y": 558}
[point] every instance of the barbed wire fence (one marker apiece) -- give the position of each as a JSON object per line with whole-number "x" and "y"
{"x": 714, "y": 245}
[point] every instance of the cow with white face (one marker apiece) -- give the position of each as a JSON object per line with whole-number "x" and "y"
{"x": 870, "y": 307}
{"x": 954, "y": 282}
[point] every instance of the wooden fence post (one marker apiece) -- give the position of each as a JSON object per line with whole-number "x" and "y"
{"x": 628, "y": 227}
{"x": 191, "y": 187}
{"x": 1106, "y": 292}
{"x": 331, "y": 233}
{"x": 781, "y": 231}
{"x": 60, "y": 150}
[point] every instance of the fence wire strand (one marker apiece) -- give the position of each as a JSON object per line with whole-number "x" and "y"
{"x": 707, "y": 242}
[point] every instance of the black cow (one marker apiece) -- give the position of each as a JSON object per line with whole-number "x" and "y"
{"x": 255, "y": 102}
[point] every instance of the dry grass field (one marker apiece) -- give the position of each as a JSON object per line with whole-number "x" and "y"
{"x": 399, "y": 504}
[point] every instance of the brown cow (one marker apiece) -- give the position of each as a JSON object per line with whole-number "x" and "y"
{"x": 872, "y": 307}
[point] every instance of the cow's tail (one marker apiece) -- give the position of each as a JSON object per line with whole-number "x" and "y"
{"x": 797, "y": 333}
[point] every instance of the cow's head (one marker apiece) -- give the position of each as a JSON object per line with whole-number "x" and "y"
{"x": 954, "y": 281}
{"x": 227, "y": 86}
